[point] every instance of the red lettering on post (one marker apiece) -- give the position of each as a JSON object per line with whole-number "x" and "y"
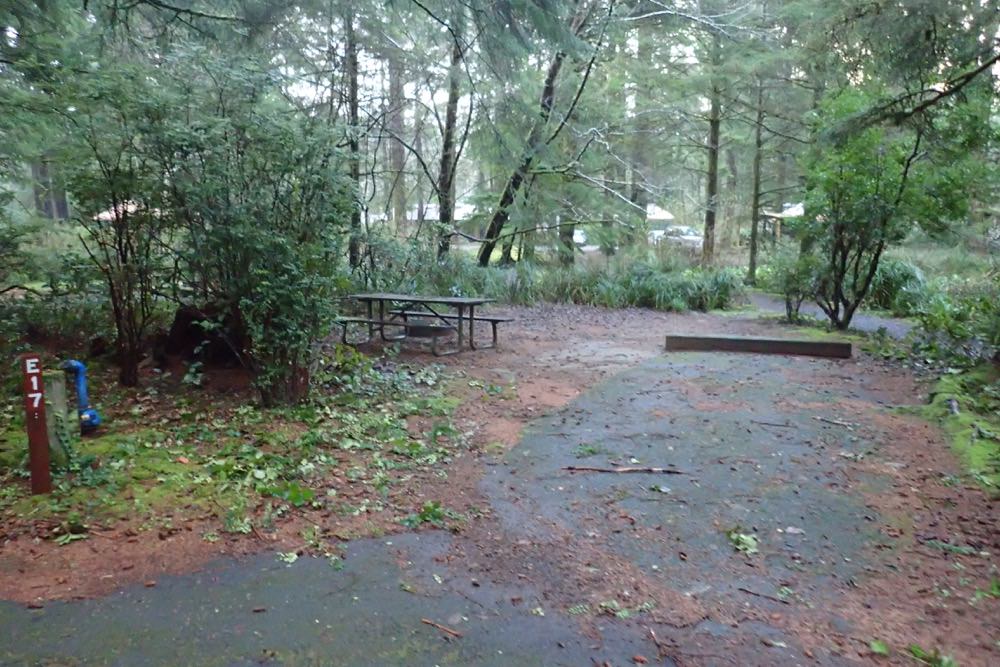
{"x": 34, "y": 412}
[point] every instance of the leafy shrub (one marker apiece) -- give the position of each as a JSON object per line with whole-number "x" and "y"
{"x": 457, "y": 275}
{"x": 570, "y": 285}
{"x": 960, "y": 319}
{"x": 525, "y": 285}
{"x": 269, "y": 259}
{"x": 69, "y": 320}
{"x": 714, "y": 289}
{"x": 794, "y": 276}
{"x": 644, "y": 286}
{"x": 13, "y": 259}
{"x": 647, "y": 281}
{"x": 898, "y": 286}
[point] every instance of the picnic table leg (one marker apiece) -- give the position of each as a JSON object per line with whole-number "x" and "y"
{"x": 461, "y": 332}
{"x": 472, "y": 324}
{"x": 371, "y": 327}
{"x": 381, "y": 318}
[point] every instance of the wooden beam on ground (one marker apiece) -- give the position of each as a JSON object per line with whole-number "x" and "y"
{"x": 812, "y": 348}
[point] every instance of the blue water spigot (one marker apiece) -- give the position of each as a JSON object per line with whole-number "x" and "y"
{"x": 89, "y": 419}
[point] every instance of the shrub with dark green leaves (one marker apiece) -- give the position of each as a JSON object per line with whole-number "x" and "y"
{"x": 795, "y": 276}
{"x": 646, "y": 281}
{"x": 264, "y": 205}
{"x": 898, "y": 286}
{"x": 960, "y": 319}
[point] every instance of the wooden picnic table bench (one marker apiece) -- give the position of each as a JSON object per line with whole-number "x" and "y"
{"x": 422, "y": 317}
{"x": 492, "y": 320}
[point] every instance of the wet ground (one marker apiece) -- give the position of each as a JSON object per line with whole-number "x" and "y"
{"x": 261, "y": 611}
{"x": 807, "y": 457}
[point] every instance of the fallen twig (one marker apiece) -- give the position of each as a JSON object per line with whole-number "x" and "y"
{"x": 442, "y": 628}
{"x": 756, "y": 421}
{"x": 623, "y": 469}
{"x": 662, "y": 649}
{"x": 762, "y": 595}
{"x": 835, "y": 422}
{"x": 107, "y": 536}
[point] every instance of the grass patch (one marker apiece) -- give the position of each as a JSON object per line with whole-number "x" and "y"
{"x": 584, "y": 451}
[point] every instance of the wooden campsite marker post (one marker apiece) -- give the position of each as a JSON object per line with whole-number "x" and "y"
{"x": 34, "y": 412}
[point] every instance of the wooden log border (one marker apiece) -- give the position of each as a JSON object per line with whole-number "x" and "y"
{"x": 812, "y": 348}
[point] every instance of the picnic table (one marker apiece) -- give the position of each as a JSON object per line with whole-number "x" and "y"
{"x": 422, "y": 317}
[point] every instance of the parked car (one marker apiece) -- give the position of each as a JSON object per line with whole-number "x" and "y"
{"x": 677, "y": 235}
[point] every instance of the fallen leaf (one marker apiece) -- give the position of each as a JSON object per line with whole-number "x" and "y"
{"x": 878, "y": 647}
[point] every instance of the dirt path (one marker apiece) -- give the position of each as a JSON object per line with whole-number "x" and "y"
{"x": 862, "y": 530}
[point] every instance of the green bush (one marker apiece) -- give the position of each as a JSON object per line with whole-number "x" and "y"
{"x": 455, "y": 275}
{"x": 714, "y": 289}
{"x": 963, "y": 316}
{"x": 67, "y": 320}
{"x": 960, "y": 319}
{"x": 898, "y": 286}
{"x": 525, "y": 285}
{"x": 639, "y": 284}
{"x": 570, "y": 285}
{"x": 795, "y": 276}
{"x": 642, "y": 279}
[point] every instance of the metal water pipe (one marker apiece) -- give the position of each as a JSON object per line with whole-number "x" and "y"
{"x": 89, "y": 418}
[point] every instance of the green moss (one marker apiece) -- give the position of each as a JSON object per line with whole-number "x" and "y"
{"x": 822, "y": 334}
{"x": 106, "y": 444}
{"x": 975, "y": 429}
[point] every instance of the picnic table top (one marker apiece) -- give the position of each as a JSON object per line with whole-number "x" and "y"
{"x": 416, "y": 298}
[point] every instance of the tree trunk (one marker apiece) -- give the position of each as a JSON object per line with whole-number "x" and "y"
{"x": 534, "y": 143}
{"x": 449, "y": 160}
{"x": 642, "y": 130}
{"x": 712, "y": 180}
{"x": 507, "y": 256}
{"x": 290, "y": 389}
{"x": 516, "y": 179}
{"x": 567, "y": 248}
{"x": 528, "y": 246}
{"x": 418, "y": 148}
{"x": 354, "y": 165}
{"x": 730, "y": 221}
{"x": 758, "y": 142}
{"x": 397, "y": 152}
{"x": 128, "y": 364}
